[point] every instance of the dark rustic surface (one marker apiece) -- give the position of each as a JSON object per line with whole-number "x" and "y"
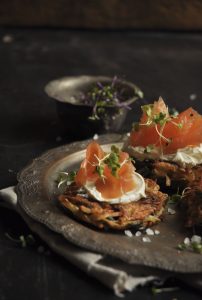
{"x": 169, "y": 65}
{"x": 144, "y": 14}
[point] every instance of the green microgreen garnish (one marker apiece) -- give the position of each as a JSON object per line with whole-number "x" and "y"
{"x": 159, "y": 121}
{"x": 103, "y": 96}
{"x": 148, "y": 148}
{"x": 197, "y": 247}
{"x": 180, "y": 125}
{"x": 100, "y": 170}
{"x": 66, "y": 178}
{"x": 111, "y": 160}
{"x": 194, "y": 244}
{"x": 157, "y": 290}
{"x": 22, "y": 240}
{"x": 174, "y": 199}
{"x": 147, "y": 109}
{"x": 173, "y": 112}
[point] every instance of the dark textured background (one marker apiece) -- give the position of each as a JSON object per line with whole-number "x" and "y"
{"x": 166, "y": 64}
{"x": 144, "y": 14}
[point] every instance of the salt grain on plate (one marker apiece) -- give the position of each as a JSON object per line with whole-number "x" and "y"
{"x": 128, "y": 233}
{"x": 95, "y": 137}
{"x": 149, "y": 231}
{"x": 171, "y": 211}
{"x": 193, "y": 97}
{"x": 196, "y": 239}
{"x": 138, "y": 233}
{"x": 157, "y": 232}
{"x": 7, "y": 39}
{"x": 146, "y": 239}
{"x": 187, "y": 241}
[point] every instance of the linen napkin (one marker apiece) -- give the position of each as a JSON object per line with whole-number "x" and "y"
{"x": 112, "y": 272}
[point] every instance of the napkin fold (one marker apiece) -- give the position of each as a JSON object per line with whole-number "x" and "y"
{"x": 112, "y": 272}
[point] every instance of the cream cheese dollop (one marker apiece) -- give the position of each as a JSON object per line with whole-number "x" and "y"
{"x": 188, "y": 156}
{"x": 134, "y": 195}
{"x": 191, "y": 156}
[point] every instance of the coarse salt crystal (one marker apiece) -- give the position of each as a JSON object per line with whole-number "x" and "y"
{"x": 138, "y": 233}
{"x": 156, "y": 231}
{"x": 146, "y": 239}
{"x": 149, "y": 231}
{"x": 128, "y": 134}
{"x": 196, "y": 239}
{"x": 95, "y": 137}
{"x": 7, "y": 39}
{"x": 192, "y": 97}
{"x": 187, "y": 241}
{"x": 171, "y": 211}
{"x": 128, "y": 233}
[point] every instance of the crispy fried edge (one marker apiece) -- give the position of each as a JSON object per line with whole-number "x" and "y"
{"x": 85, "y": 213}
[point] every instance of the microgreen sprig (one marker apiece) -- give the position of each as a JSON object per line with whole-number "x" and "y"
{"x": 159, "y": 121}
{"x": 158, "y": 290}
{"x": 195, "y": 245}
{"x": 111, "y": 160}
{"x": 22, "y": 240}
{"x": 175, "y": 198}
{"x": 66, "y": 178}
{"x": 148, "y": 148}
{"x": 107, "y": 95}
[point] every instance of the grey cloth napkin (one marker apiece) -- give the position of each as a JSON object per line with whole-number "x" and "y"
{"x": 112, "y": 272}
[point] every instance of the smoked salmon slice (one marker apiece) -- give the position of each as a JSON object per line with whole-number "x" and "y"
{"x": 109, "y": 183}
{"x": 166, "y": 131}
{"x": 87, "y": 170}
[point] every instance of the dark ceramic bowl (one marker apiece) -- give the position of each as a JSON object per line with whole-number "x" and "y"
{"x": 74, "y": 113}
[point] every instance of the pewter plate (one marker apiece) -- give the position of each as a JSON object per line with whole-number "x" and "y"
{"x": 37, "y": 193}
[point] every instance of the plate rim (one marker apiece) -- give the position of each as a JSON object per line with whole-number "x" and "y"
{"x": 23, "y": 192}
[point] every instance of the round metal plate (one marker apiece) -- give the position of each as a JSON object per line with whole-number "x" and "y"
{"x": 37, "y": 193}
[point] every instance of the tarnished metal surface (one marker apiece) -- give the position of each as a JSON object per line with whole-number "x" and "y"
{"x": 70, "y": 89}
{"x": 37, "y": 192}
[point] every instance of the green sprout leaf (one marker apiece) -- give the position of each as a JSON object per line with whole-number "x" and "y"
{"x": 22, "y": 240}
{"x": 160, "y": 119}
{"x": 100, "y": 170}
{"x": 191, "y": 245}
{"x": 174, "y": 199}
{"x": 173, "y": 112}
{"x": 66, "y": 178}
{"x": 197, "y": 247}
{"x": 105, "y": 95}
{"x": 115, "y": 149}
{"x": 181, "y": 247}
{"x": 111, "y": 160}
{"x": 148, "y": 148}
{"x": 147, "y": 109}
{"x": 156, "y": 290}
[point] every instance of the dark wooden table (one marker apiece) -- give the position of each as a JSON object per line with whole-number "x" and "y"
{"x": 166, "y": 64}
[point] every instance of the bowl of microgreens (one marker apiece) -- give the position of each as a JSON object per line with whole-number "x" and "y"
{"x": 93, "y": 104}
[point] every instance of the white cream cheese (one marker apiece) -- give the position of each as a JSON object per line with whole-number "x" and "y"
{"x": 134, "y": 195}
{"x": 140, "y": 153}
{"x": 188, "y": 156}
